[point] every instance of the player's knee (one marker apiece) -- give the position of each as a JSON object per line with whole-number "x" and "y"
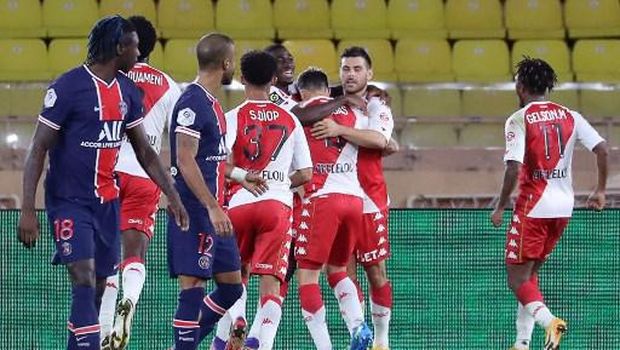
{"x": 233, "y": 291}
{"x": 515, "y": 281}
{"x": 82, "y": 273}
{"x": 377, "y": 276}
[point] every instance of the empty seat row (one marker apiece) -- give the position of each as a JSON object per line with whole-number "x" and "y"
{"x": 318, "y": 19}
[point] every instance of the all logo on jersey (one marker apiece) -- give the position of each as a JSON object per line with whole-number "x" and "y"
{"x": 111, "y": 131}
{"x": 186, "y": 117}
{"x": 50, "y": 98}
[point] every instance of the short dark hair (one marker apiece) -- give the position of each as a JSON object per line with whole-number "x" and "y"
{"x": 147, "y": 36}
{"x": 312, "y": 78}
{"x": 271, "y": 49}
{"x": 357, "y": 51}
{"x": 536, "y": 75}
{"x": 258, "y": 67}
{"x": 105, "y": 36}
{"x": 211, "y": 49}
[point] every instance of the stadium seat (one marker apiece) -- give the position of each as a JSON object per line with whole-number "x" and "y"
{"x": 481, "y": 61}
{"x": 589, "y": 19}
{"x": 156, "y": 59}
{"x": 597, "y": 60}
{"x": 381, "y": 54}
{"x": 5, "y": 100}
{"x": 245, "y": 19}
{"x": 128, "y": 8}
{"x": 69, "y": 18}
{"x": 482, "y": 135}
{"x": 489, "y": 103}
{"x": 185, "y": 18}
{"x": 566, "y": 97}
{"x": 359, "y": 19}
{"x": 21, "y": 19}
{"x": 180, "y": 59}
{"x": 396, "y": 96}
{"x": 27, "y": 99}
{"x": 302, "y": 19}
{"x": 474, "y": 19}
{"x": 418, "y": 61}
{"x": 423, "y": 134}
{"x": 65, "y": 54}
{"x": 244, "y": 46}
{"x": 599, "y": 103}
{"x": 534, "y": 19}
{"x": 555, "y": 52}
{"x": 317, "y": 53}
{"x": 431, "y": 102}
{"x": 23, "y": 60}
{"x": 418, "y": 19}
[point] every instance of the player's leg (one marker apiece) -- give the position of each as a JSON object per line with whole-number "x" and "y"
{"x": 186, "y": 318}
{"x": 525, "y": 322}
{"x": 83, "y": 320}
{"x": 352, "y": 272}
{"x": 312, "y": 306}
{"x": 107, "y": 310}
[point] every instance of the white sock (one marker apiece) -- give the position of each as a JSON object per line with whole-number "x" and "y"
{"x": 349, "y": 303}
{"x": 541, "y": 313}
{"x": 255, "y": 329}
{"x": 318, "y": 328}
{"x": 108, "y": 305}
{"x": 269, "y": 316}
{"x": 237, "y": 310}
{"x": 525, "y": 326}
{"x": 381, "y": 316}
{"x": 134, "y": 275}
{"x": 223, "y": 327}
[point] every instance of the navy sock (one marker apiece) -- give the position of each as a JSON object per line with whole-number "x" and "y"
{"x": 215, "y": 304}
{"x": 83, "y": 321}
{"x": 186, "y": 327}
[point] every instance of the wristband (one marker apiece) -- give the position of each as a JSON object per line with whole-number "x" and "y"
{"x": 238, "y": 174}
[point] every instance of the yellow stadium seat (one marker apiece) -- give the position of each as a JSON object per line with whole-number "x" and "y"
{"x": 244, "y": 46}
{"x": 431, "y": 102}
{"x": 355, "y": 19}
{"x": 180, "y": 59}
{"x": 588, "y": 19}
{"x": 489, "y": 103}
{"x": 429, "y": 134}
{"x": 418, "y": 19}
{"x": 65, "y": 54}
{"x": 566, "y": 97}
{"x": 27, "y": 99}
{"x": 69, "y": 18}
{"x": 534, "y": 19}
{"x": 21, "y": 19}
{"x": 128, "y": 8}
{"x": 5, "y": 100}
{"x": 381, "y": 54}
{"x": 597, "y": 60}
{"x": 482, "y": 135}
{"x": 302, "y": 19}
{"x": 482, "y": 61}
{"x": 554, "y": 52}
{"x": 479, "y": 19}
{"x": 599, "y": 103}
{"x": 317, "y": 53}
{"x": 185, "y": 18}
{"x": 423, "y": 61}
{"x": 396, "y": 96}
{"x": 23, "y": 59}
{"x": 156, "y": 58}
{"x": 245, "y": 19}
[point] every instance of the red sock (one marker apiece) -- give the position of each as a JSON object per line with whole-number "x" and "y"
{"x": 336, "y": 277}
{"x": 528, "y": 292}
{"x": 274, "y": 298}
{"x": 382, "y": 295}
{"x": 310, "y": 297}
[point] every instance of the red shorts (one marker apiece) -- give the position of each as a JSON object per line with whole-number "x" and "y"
{"x": 297, "y": 204}
{"x": 139, "y": 203}
{"x": 530, "y": 239}
{"x": 263, "y": 231}
{"x": 373, "y": 245}
{"x": 328, "y": 230}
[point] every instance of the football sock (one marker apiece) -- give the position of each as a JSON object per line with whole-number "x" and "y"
{"x": 83, "y": 321}
{"x": 348, "y": 300}
{"x": 381, "y": 310}
{"x": 215, "y": 305}
{"x": 186, "y": 326}
{"x": 313, "y": 311}
{"x": 134, "y": 275}
{"x": 525, "y": 326}
{"x": 108, "y": 305}
{"x": 269, "y": 315}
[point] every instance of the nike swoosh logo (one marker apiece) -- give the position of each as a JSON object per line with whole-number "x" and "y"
{"x": 185, "y": 332}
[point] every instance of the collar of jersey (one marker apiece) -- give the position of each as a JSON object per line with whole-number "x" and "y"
{"x": 99, "y": 79}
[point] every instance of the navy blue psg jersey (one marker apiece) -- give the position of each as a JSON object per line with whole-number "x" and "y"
{"x": 91, "y": 117}
{"x": 198, "y": 114}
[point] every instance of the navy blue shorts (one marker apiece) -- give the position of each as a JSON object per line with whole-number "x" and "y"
{"x": 85, "y": 230}
{"x": 199, "y": 252}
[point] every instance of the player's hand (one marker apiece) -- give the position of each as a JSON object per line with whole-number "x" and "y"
{"x": 391, "y": 148}
{"x": 178, "y": 212}
{"x": 356, "y": 102}
{"x": 325, "y": 128}
{"x": 220, "y": 221}
{"x": 28, "y": 228}
{"x": 373, "y": 91}
{"x": 497, "y": 217}
{"x": 596, "y": 201}
{"x": 255, "y": 184}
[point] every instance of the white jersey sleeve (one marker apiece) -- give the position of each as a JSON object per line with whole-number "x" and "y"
{"x": 301, "y": 151}
{"x": 586, "y": 134}
{"x": 380, "y": 117}
{"x": 231, "y": 129}
{"x": 514, "y": 132}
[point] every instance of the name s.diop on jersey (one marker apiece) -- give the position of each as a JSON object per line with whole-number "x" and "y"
{"x": 546, "y": 116}
{"x": 264, "y": 116}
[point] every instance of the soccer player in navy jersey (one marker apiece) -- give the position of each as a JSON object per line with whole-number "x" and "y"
{"x": 86, "y": 113}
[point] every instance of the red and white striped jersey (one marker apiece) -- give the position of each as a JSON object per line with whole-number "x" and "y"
{"x": 334, "y": 159}
{"x": 265, "y": 138}
{"x": 159, "y": 94}
{"x": 542, "y": 136}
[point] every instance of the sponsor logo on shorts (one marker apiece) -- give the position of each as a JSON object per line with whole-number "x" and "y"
{"x": 67, "y": 249}
{"x": 372, "y": 255}
{"x": 135, "y": 221}
{"x": 204, "y": 262}
{"x": 302, "y": 239}
{"x": 513, "y": 231}
{"x": 263, "y": 266}
{"x": 300, "y": 251}
{"x": 380, "y": 228}
{"x": 512, "y": 255}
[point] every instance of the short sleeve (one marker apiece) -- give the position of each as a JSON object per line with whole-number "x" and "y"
{"x": 301, "y": 151}
{"x": 586, "y": 134}
{"x": 135, "y": 110}
{"x": 380, "y": 117}
{"x": 192, "y": 117}
{"x": 231, "y": 129}
{"x": 514, "y": 132}
{"x": 56, "y": 105}
{"x": 172, "y": 96}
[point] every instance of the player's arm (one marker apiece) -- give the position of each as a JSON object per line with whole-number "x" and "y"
{"x": 252, "y": 182}
{"x": 511, "y": 175}
{"x": 150, "y": 162}
{"x": 309, "y": 115}
{"x": 302, "y": 160}
{"x": 43, "y": 140}
{"x": 327, "y": 128}
{"x": 187, "y": 148}
{"x": 597, "y": 198}
{"x": 301, "y": 177}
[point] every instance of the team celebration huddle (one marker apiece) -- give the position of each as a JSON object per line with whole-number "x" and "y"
{"x": 287, "y": 185}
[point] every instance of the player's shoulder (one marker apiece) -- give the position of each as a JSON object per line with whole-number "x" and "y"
{"x": 72, "y": 78}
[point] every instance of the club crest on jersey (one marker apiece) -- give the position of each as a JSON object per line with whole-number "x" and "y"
{"x": 122, "y": 108}
{"x": 510, "y": 136}
{"x": 204, "y": 262}
{"x": 186, "y": 117}
{"x": 50, "y": 98}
